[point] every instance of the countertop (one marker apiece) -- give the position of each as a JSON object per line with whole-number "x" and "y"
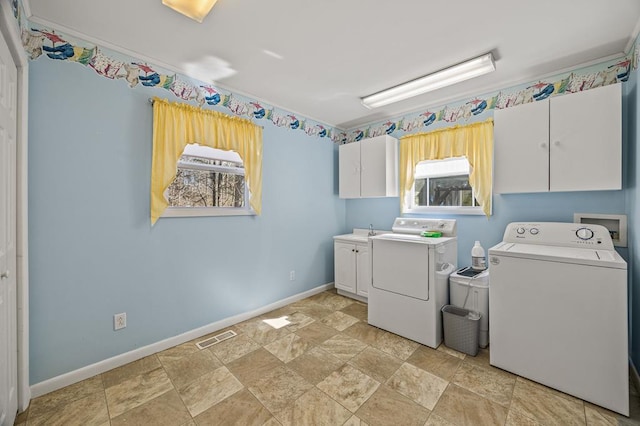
{"x": 359, "y": 235}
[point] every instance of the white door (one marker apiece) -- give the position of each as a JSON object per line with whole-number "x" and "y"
{"x": 586, "y": 140}
{"x": 363, "y": 269}
{"x": 8, "y": 302}
{"x": 349, "y": 170}
{"x": 345, "y": 266}
{"x": 521, "y": 148}
{"x": 373, "y": 165}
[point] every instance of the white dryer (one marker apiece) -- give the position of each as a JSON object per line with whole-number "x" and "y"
{"x": 558, "y": 308}
{"x": 409, "y": 278}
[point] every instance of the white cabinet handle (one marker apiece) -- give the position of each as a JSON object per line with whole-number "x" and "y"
{"x": 4, "y": 275}
{"x": 543, "y": 145}
{"x": 557, "y": 143}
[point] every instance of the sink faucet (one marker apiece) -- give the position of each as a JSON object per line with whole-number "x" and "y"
{"x": 371, "y": 231}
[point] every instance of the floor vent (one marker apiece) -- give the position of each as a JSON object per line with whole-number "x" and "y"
{"x": 216, "y": 339}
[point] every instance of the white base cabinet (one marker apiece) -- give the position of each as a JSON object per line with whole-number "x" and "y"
{"x": 352, "y": 267}
{"x": 567, "y": 143}
{"x": 369, "y": 168}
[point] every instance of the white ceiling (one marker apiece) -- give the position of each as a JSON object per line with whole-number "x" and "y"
{"x": 318, "y": 58}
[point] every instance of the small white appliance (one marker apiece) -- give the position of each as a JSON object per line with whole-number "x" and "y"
{"x": 409, "y": 278}
{"x": 469, "y": 289}
{"x": 558, "y": 306}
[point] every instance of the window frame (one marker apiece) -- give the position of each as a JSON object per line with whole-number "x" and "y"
{"x": 202, "y": 211}
{"x": 411, "y": 207}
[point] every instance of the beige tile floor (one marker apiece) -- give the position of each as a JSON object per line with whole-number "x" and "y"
{"x": 328, "y": 367}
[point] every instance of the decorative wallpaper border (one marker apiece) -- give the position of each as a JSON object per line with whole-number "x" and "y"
{"x": 41, "y": 42}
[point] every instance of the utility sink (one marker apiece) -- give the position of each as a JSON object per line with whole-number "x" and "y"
{"x": 359, "y": 235}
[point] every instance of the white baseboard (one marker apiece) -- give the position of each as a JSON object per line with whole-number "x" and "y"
{"x": 83, "y": 373}
{"x": 633, "y": 372}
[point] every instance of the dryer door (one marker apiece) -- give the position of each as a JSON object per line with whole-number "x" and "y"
{"x": 401, "y": 267}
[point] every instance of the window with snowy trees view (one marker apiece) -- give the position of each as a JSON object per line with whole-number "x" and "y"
{"x": 208, "y": 182}
{"x": 442, "y": 186}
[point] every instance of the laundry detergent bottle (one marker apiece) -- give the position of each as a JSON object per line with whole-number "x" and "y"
{"x": 478, "y": 261}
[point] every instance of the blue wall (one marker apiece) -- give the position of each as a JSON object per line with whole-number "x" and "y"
{"x": 93, "y": 252}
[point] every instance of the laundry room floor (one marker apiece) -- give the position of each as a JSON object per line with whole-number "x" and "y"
{"x": 329, "y": 367}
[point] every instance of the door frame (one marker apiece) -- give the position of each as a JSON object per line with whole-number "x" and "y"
{"x": 11, "y": 33}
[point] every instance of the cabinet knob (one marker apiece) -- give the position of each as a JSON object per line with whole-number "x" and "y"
{"x": 4, "y": 275}
{"x": 543, "y": 145}
{"x": 557, "y": 143}
{"x": 353, "y": 249}
{"x": 357, "y": 251}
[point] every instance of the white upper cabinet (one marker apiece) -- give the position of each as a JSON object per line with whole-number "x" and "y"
{"x": 568, "y": 143}
{"x": 349, "y": 170}
{"x": 586, "y": 140}
{"x": 521, "y": 148}
{"x": 369, "y": 168}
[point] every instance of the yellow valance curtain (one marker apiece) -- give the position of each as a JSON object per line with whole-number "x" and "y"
{"x": 474, "y": 141}
{"x": 175, "y": 125}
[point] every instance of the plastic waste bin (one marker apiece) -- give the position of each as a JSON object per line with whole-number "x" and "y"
{"x": 461, "y": 329}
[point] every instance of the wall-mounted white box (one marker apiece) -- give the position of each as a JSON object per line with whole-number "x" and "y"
{"x": 615, "y": 223}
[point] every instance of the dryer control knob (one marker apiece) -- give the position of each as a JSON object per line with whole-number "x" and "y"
{"x": 520, "y": 230}
{"x": 534, "y": 231}
{"x": 584, "y": 233}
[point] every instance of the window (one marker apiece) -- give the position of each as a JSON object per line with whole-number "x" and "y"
{"x": 442, "y": 186}
{"x": 209, "y": 182}
{"x": 175, "y": 126}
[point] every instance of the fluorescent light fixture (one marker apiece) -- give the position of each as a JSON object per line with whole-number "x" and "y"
{"x": 455, "y": 74}
{"x": 194, "y": 9}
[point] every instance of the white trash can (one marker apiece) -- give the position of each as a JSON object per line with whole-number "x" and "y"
{"x": 469, "y": 289}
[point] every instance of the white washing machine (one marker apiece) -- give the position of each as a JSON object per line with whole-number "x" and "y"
{"x": 558, "y": 307}
{"x": 409, "y": 276}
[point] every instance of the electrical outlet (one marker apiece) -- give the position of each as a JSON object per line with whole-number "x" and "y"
{"x": 119, "y": 321}
{"x": 292, "y": 276}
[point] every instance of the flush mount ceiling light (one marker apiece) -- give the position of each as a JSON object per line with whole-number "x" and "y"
{"x": 455, "y": 74}
{"x": 194, "y": 9}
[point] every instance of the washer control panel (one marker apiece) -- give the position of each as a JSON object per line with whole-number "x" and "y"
{"x": 559, "y": 233}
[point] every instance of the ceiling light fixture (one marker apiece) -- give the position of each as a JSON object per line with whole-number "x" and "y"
{"x": 194, "y": 9}
{"x": 455, "y": 74}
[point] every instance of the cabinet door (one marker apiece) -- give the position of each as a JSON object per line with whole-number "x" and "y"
{"x": 349, "y": 170}
{"x": 363, "y": 269}
{"x": 586, "y": 140}
{"x": 521, "y": 148}
{"x": 373, "y": 164}
{"x": 345, "y": 266}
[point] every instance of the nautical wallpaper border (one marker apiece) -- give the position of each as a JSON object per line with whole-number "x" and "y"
{"x": 42, "y": 42}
